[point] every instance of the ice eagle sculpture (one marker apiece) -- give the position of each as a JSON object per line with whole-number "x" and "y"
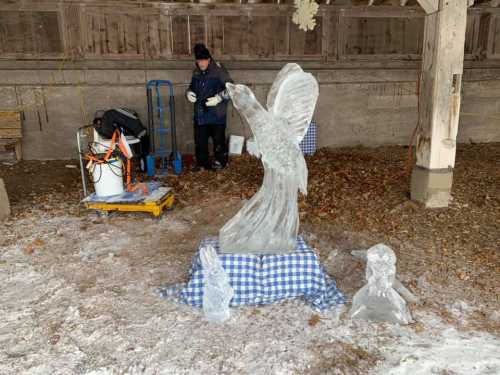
{"x": 269, "y": 221}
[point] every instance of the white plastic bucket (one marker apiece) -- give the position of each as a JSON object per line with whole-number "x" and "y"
{"x": 108, "y": 178}
{"x": 236, "y": 144}
{"x": 101, "y": 145}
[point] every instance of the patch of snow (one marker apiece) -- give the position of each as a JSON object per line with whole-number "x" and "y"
{"x": 447, "y": 351}
{"x": 61, "y": 315}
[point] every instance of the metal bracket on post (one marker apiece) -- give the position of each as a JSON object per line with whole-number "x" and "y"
{"x": 429, "y": 6}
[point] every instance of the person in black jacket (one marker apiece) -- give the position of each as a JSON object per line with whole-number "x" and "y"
{"x": 208, "y": 93}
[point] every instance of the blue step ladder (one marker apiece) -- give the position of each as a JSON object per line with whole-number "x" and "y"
{"x": 159, "y": 129}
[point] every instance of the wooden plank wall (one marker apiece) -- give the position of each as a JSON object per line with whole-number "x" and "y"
{"x": 153, "y": 31}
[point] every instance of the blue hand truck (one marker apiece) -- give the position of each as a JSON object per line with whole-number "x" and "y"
{"x": 159, "y": 130}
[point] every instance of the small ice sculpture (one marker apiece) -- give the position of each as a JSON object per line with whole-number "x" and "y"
{"x": 377, "y": 300}
{"x": 269, "y": 221}
{"x": 217, "y": 292}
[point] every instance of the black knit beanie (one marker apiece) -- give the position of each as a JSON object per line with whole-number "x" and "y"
{"x": 201, "y": 52}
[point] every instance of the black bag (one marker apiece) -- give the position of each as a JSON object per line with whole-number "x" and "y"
{"x": 120, "y": 118}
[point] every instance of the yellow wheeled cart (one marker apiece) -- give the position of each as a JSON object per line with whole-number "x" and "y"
{"x": 140, "y": 197}
{"x": 155, "y": 202}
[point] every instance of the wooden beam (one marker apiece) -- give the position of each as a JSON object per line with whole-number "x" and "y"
{"x": 442, "y": 68}
{"x": 440, "y": 95}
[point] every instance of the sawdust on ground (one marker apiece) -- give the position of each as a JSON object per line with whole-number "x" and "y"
{"x": 77, "y": 296}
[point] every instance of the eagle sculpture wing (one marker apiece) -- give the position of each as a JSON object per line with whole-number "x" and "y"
{"x": 293, "y": 97}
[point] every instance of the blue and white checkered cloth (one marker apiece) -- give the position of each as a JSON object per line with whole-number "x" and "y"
{"x": 308, "y": 143}
{"x": 261, "y": 279}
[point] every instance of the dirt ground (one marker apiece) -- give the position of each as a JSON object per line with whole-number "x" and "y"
{"x": 77, "y": 293}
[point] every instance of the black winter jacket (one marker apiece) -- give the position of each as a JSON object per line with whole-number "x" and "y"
{"x": 206, "y": 84}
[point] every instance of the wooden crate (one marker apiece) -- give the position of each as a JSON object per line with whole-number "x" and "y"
{"x": 10, "y": 131}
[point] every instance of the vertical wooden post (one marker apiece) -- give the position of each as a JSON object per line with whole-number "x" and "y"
{"x": 440, "y": 86}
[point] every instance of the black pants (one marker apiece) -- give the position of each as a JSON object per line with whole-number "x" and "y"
{"x": 201, "y": 135}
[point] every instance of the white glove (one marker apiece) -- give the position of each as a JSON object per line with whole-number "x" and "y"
{"x": 191, "y": 96}
{"x": 213, "y": 101}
